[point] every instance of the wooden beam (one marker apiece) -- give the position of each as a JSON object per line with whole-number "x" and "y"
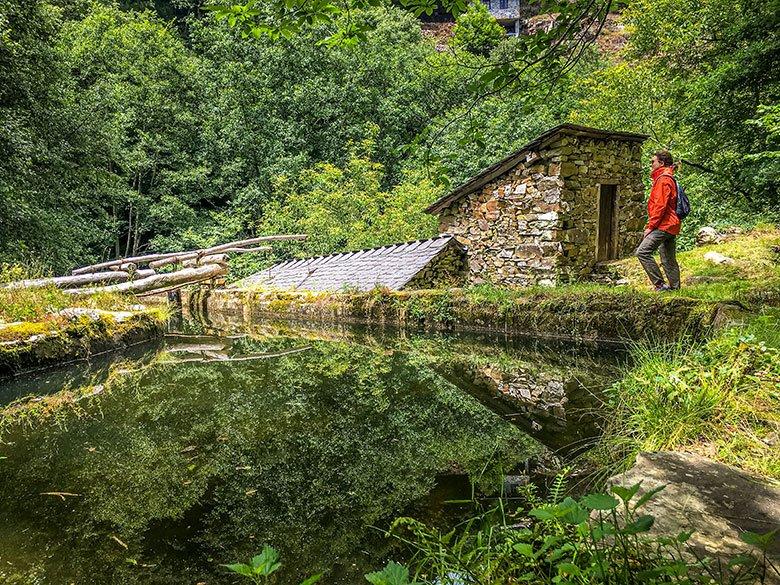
{"x": 203, "y": 252}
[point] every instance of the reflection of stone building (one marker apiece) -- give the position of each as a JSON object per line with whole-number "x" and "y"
{"x": 552, "y": 210}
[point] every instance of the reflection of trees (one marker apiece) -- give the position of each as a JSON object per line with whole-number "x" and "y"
{"x": 191, "y": 465}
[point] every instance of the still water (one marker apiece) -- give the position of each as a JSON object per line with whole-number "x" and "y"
{"x": 157, "y": 466}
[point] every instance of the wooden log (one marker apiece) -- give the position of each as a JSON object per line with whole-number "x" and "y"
{"x": 158, "y": 281}
{"x": 201, "y": 255}
{"x": 196, "y": 347}
{"x": 245, "y": 250}
{"x": 145, "y": 259}
{"x": 80, "y": 280}
{"x": 258, "y": 356}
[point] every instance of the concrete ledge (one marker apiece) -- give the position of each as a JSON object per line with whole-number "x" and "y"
{"x": 609, "y": 316}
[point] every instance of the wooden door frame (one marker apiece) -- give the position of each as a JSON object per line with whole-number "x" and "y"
{"x": 612, "y": 251}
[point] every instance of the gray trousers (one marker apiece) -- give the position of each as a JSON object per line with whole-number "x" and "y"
{"x": 665, "y": 243}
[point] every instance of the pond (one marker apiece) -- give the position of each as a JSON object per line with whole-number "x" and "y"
{"x": 157, "y": 466}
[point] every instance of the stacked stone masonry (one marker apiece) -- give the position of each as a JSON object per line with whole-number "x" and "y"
{"x": 538, "y": 222}
{"x": 446, "y": 270}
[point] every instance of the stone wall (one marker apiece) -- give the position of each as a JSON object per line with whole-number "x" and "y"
{"x": 536, "y": 223}
{"x": 448, "y": 269}
{"x": 585, "y": 164}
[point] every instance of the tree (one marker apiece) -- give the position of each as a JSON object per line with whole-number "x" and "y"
{"x": 477, "y": 31}
{"x": 344, "y": 208}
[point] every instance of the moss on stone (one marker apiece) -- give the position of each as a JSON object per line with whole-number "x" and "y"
{"x": 34, "y": 345}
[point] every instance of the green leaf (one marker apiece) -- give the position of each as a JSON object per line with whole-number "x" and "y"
{"x": 572, "y": 512}
{"x": 542, "y": 514}
{"x": 744, "y": 560}
{"x": 599, "y": 502}
{"x": 568, "y": 569}
{"x": 392, "y": 574}
{"x": 266, "y": 562}
{"x": 312, "y": 580}
{"x": 641, "y": 524}
{"x": 524, "y": 549}
{"x": 647, "y": 496}
{"x": 241, "y": 569}
{"x": 626, "y": 493}
{"x": 760, "y": 541}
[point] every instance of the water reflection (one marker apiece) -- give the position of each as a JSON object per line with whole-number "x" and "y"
{"x": 179, "y": 465}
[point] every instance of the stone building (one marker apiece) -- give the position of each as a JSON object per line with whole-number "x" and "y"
{"x": 551, "y": 211}
{"x": 507, "y": 13}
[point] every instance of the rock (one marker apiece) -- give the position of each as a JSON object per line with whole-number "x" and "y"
{"x": 707, "y": 235}
{"x": 727, "y": 314}
{"x": 715, "y": 501}
{"x": 691, "y": 280}
{"x": 719, "y": 259}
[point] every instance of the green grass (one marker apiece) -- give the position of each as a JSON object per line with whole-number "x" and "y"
{"x": 756, "y": 256}
{"x": 38, "y": 304}
{"x": 720, "y": 399}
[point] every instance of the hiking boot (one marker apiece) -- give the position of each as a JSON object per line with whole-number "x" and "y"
{"x": 663, "y": 288}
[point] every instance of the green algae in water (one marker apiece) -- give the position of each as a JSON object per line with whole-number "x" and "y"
{"x": 180, "y": 467}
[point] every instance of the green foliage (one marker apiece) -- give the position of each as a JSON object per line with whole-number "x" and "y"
{"x": 263, "y": 566}
{"x": 346, "y": 209}
{"x": 392, "y": 574}
{"x": 720, "y": 396}
{"x": 477, "y": 31}
{"x": 600, "y": 538}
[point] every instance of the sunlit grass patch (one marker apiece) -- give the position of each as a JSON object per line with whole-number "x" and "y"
{"x": 756, "y": 264}
{"x": 720, "y": 398}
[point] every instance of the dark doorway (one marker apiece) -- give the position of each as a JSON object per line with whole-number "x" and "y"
{"x": 606, "y": 247}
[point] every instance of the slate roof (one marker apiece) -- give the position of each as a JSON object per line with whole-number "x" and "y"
{"x": 499, "y": 168}
{"x": 390, "y": 266}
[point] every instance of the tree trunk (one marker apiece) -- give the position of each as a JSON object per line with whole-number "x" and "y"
{"x": 80, "y": 280}
{"x": 158, "y": 281}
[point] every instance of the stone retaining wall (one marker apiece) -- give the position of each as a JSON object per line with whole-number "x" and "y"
{"x": 76, "y": 336}
{"x": 613, "y": 317}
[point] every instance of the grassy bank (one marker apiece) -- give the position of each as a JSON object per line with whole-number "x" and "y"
{"x": 720, "y": 399}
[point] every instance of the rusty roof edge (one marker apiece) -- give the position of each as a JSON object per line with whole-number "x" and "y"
{"x": 500, "y": 167}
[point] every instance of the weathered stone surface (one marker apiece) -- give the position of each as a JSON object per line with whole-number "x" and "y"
{"x": 551, "y": 199}
{"x": 718, "y": 258}
{"x": 716, "y": 501}
{"x": 707, "y": 235}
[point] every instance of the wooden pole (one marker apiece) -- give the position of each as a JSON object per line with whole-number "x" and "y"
{"x": 158, "y": 281}
{"x": 203, "y": 252}
{"x": 80, "y": 280}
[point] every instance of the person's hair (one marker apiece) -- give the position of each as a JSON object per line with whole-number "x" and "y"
{"x": 664, "y": 157}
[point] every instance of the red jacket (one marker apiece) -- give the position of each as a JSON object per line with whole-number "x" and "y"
{"x": 663, "y": 202}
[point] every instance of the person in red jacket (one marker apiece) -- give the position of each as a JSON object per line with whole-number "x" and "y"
{"x": 663, "y": 225}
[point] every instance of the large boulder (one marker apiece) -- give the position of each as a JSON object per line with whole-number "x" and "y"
{"x": 715, "y": 501}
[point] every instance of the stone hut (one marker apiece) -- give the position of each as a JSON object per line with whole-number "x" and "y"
{"x": 553, "y": 210}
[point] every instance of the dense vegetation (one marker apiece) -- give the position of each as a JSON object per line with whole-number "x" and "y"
{"x": 137, "y": 126}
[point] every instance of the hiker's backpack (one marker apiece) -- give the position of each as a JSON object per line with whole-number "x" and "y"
{"x": 683, "y": 205}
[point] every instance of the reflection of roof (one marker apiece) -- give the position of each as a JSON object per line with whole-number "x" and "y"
{"x": 390, "y": 266}
{"x": 497, "y": 169}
